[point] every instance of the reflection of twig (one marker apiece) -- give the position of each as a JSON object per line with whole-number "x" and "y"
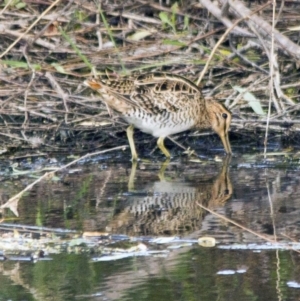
{"x": 49, "y": 175}
{"x": 271, "y": 211}
{"x": 257, "y": 234}
{"x": 278, "y": 279}
{"x": 235, "y": 223}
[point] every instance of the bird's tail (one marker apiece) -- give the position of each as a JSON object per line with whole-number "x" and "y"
{"x": 113, "y": 99}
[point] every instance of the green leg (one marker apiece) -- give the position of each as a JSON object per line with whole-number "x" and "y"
{"x": 163, "y": 167}
{"x": 132, "y": 176}
{"x": 131, "y": 142}
{"x": 161, "y": 146}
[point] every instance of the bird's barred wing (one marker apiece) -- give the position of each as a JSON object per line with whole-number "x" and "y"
{"x": 164, "y": 92}
{"x": 154, "y": 93}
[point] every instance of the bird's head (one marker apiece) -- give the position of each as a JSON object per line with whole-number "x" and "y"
{"x": 220, "y": 119}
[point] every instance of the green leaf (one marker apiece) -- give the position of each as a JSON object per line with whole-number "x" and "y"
{"x": 15, "y": 64}
{"x": 252, "y": 100}
{"x": 139, "y": 35}
{"x": 186, "y": 22}
{"x": 80, "y": 15}
{"x": 174, "y": 8}
{"x": 11, "y": 3}
{"x": 164, "y": 17}
{"x": 59, "y": 68}
{"x": 166, "y": 20}
{"x": 20, "y": 5}
{"x": 225, "y": 52}
{"x": 174, "y": 42}
{"x": 19, "y": 64}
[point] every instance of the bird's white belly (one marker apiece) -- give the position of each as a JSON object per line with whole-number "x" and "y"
{"x": 159, "y": 129}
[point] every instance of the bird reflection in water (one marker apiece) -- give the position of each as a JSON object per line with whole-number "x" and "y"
{"x": 170, "y": 207}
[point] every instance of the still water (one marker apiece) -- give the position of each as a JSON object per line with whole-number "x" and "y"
{"x": 183, "y": 199}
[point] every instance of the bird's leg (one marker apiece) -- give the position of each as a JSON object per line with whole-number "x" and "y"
{"x": 132, "y": 176}
{"x": 162, "y": 170}
{"x": 129, "y": 132}
{"x": 161, "y": 146}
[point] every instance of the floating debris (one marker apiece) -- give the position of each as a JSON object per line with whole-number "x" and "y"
{"x": 164, "y": 240}
{"x": 293, "y": 284}
{"x": 207, "y": 242}
{"x": 226, "y": 272}
{"x": 265, "y": 246}
{"x": 117, "y": 255}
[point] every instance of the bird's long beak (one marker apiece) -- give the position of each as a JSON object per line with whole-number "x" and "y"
{"x": 226, "y": 143}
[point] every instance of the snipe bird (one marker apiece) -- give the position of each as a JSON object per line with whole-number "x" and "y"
{"x": 162, "y": 104}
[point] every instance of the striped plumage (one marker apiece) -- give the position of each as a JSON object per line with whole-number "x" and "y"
{"x": 162, "y": 104}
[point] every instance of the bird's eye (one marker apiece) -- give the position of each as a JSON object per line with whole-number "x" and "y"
{"x": 224, "y": 115}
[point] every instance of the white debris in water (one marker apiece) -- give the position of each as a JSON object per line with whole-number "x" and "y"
{"x": 266, "y": 246}
{"x": 226, "y": 272}
{"x": 164, "y": 240}
{"x": 117, "y": 256}
{"x": 241, "y": 271}
{"x": 174, "y": 247}
{"x": 293, "y": 284}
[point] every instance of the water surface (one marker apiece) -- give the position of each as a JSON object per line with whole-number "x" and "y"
{"x": 152, "y": 200}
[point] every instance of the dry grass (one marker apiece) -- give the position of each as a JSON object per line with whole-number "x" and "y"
{"x": 45, "y": 52}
